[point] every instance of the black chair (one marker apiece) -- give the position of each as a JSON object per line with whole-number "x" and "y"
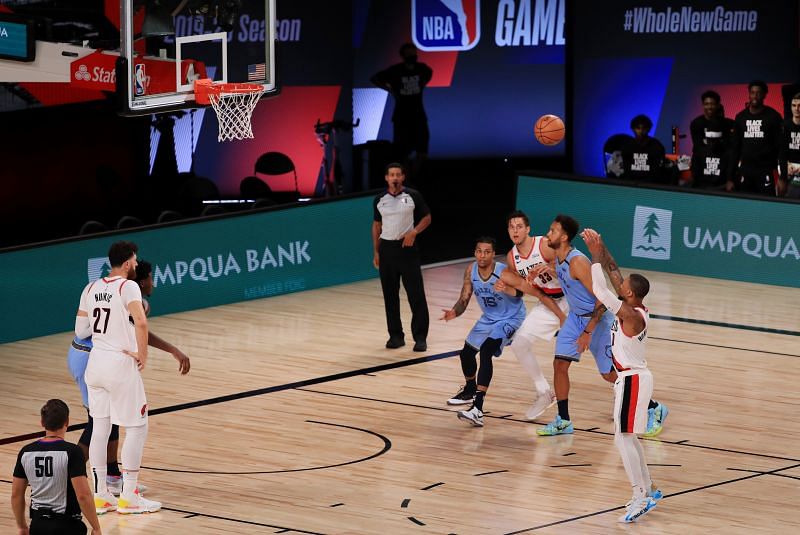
{"x": 92, "y": 227}
{"x": 169, "y": 215}
{"x": 193, "y": 191}
{"x": 612, "y": 154}
{"x": 252, "y": 187}
{"x": 277, "y": 163}
{"x": 129, "y": 221}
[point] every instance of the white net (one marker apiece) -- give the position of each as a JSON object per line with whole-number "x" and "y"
{"x": 234, "y": 111}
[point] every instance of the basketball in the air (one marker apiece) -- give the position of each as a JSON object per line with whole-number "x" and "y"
{"x": 549, "y": 130}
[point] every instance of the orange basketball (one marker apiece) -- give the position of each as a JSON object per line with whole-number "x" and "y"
{"x": 549, "y": 130}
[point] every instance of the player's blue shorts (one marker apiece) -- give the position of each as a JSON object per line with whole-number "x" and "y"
{"x": 600, "y": 345}
{"x": 76, "y": 362}
{"x": 501, "y": 329}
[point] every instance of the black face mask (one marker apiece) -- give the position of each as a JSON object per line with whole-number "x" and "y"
{"x": 410, "y": 60}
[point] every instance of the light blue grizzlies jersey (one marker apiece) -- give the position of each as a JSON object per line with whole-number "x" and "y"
{"x": 580, "y": 300}
{"x": 495, "y": 305}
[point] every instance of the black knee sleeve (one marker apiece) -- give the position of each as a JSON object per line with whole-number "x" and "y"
{"x": 488, "y": 350}
{"x": 86, "y": 436}
{"x": 468, "y": 364}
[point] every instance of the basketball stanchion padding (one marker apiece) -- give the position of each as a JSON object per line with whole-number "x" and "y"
{"x": 233, "y": 104}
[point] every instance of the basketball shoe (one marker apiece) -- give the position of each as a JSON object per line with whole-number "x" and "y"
{"x": 637, "y": 509}
{"x": 655, "y": 420}
{"x": 654, "y": 493}
{"x": 545, "y": 400}
{"x": 462, "y": 397}
{"x": 104, "y": 503}
{"x": 556, "y": 427}
{"x": 137, "y": 505}
{"x": 474, "y": 416}
{"x": 114, "y": 484}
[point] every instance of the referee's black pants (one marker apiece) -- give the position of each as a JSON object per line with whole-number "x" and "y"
{"x": 396, "y": 263}
{"x": 56, "y": 525}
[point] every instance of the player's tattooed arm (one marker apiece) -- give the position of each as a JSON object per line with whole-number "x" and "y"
{"x": 602, "y": 255}
{"x": 463, "y": 299}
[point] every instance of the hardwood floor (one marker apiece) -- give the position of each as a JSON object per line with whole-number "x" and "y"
{"x": 295, "y": 419}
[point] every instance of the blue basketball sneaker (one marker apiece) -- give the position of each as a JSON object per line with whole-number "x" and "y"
{"x": 556, "y": 427}
{"x": 655, "y": 420}
{"x": 637, "y": 509}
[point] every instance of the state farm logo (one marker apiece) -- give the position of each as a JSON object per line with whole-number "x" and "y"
{"x": 95, "y": 71}
{"x": 98, "y": 74}
{"x": 83, "y": 73}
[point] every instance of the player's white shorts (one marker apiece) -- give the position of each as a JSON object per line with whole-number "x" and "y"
{"x": 116, "y": 389}
{"x": 632, "y": 392}
{"x": 541, "y": 322}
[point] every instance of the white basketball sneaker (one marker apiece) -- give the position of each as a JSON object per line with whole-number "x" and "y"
{"x": 104, "y": 503}
{"x": 137, "y": 505}
{"x": 474, "y": 416}
{"x": 114, "y": 484}
{"x": 543, "y": 402}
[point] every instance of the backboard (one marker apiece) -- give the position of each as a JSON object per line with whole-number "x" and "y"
{"x": 165, "y": 45}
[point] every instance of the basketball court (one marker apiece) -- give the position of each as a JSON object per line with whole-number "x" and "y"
{"x": 295, "y": 419}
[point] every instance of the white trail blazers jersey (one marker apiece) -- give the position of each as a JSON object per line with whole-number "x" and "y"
{"x": 628, "y": 351}
{"x": 546, "y": 282}
{"x": 106, "y": 301}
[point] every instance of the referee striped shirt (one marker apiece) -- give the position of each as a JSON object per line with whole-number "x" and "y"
{"x": 399, "y": 213}
{"x": 49, "y": 467}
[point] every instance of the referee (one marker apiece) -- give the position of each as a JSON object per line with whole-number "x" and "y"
{"x": 400, "y": 214}
{"x": 56, "y": 472}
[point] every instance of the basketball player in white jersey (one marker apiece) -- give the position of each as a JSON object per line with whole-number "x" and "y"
{"x": 112, "y": 313}
{"x": 634, "y": 385}
{"x": 531, "y": 253}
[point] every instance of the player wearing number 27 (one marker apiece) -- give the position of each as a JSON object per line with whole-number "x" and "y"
{"x": 111, "y": 311}
{"x": 634, "y": 384}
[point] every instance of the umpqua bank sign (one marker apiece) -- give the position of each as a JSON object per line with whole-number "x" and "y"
{"x": 455, "y": 25}
{"x": 652, "y": 238}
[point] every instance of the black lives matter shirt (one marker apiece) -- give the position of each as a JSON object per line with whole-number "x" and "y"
{"x": 712, "y": 150}
{"x": 790, "y": 153}
{"x": 49, "y": 467}
{"x": 758, "y": 138}
{"x": 643, "y": 160}
{"x": 407, "y": 84}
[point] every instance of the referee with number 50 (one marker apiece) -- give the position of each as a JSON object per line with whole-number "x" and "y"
{"x": 56, "y": 472}
{"x": 400, "y": 214}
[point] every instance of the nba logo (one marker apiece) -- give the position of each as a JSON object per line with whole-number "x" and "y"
{"x": 443, "y": 25}
{"x": 139, "y": 80}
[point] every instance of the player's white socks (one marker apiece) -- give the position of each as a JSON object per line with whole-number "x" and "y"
{"x": 523, "y": 349}
{"x": 101, "y": 429}
{"x": 132, "y": 450}
{"x": 633, "y": 462}
{"x": 648, "y": 483}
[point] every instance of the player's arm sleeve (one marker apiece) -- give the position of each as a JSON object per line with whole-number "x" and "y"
{"x": 376, "y": 214}
{"x": 76, "y": 465}
{"x": 601, "y": 291}
{"x": 82, "y": 326}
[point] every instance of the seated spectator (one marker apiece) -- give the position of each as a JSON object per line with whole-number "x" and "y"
{"x": 712, "y": 142}
{"x": 790, "y": 151}
{"x": 757, "y": 144}
{"x": 643, "y": 156}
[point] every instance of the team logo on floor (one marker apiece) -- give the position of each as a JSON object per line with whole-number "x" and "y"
{"x": 97, "y": 268}
{"x": 652, "y": 233}
{"x": 442, "y": 25}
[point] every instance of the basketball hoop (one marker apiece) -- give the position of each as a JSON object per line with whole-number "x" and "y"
{"x": 233, "y": 104}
